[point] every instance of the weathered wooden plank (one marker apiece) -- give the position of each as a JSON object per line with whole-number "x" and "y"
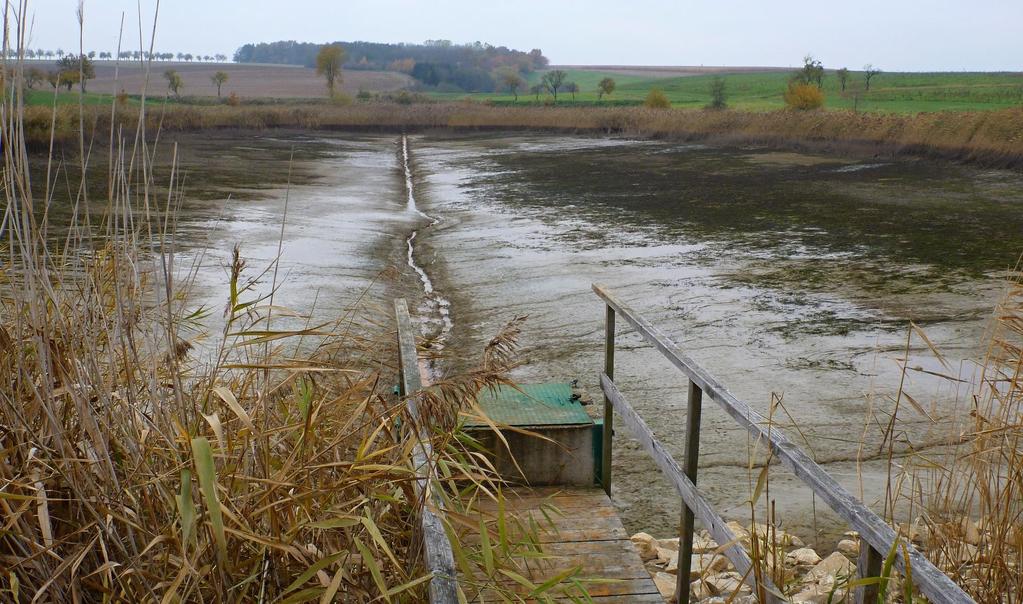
{"x": 599, "y": 525}
{"x": 595, "y": 589}
{"x": 643, "y": 598}
{"x": 588, "y": 535}
{"x": 624, "y": 592}
{"x": 868, "y": 565}
{"x": 687, "y": 490}
{"x": 595, "y": 525}
{"x": 562, "y": 501}
{"x": 440, "y": 559}
{"x": 873, "y": 530}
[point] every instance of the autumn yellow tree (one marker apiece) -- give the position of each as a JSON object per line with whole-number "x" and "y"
{"x": 656, "y": 99}
{"x": 328, "y": 65}
{"x": 218, "y": 80}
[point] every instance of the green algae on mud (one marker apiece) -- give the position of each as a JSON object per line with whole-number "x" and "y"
{"x": 795, "y": 276}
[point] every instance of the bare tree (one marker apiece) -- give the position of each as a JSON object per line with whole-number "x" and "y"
{"x": 573, "y": 88}
{"x": 869, "y": 71}
{"x": 511, "y": 80}
{"x": 811, "y": 73}
{"x": 843, "y": 77}
{"x": 553, "y": 81}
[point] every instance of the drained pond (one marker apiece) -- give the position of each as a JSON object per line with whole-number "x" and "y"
{"x": 793, "y": 277}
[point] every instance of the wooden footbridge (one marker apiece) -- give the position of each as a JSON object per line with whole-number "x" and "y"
{"x": 565, "y": 463}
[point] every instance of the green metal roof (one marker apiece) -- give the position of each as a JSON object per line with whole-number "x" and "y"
{"x": 532, "y": 405}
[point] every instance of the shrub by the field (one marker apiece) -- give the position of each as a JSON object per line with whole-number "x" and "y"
{"x": 804, "y": 96}
{"x": 656, "y": 99}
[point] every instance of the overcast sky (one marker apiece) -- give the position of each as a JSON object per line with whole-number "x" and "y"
{"x": 895, "y": 35}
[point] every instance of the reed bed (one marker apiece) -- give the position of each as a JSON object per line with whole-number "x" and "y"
{"x": 964, "y": 501}
{"x": 143, "y": 459}
{"x": 992, "y": 138}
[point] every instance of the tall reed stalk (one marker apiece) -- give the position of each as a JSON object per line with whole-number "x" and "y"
{"x": 967, "y": 497}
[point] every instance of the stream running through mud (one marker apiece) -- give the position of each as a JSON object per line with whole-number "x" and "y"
{"x": 436, "y": 309}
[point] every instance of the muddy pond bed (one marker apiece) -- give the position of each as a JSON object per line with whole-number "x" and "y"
{"x": 785, "y": 274}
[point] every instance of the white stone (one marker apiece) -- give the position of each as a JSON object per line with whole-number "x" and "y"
{"x": 829, "y": 569}
{"x": 816, "y": 594}
{"x": 668, "y": 543}
{"x": 646, "y": 545}
{"x": 775, "y": 535}
{"x": 703, "y": 543}
{"x": 698, "y": 590}
{"x": 738, "y": 531}
{"x": 963, "y": 552}
{"x": 803, "y": 556}
{"x": 700, "y": 565}
{"x": 664, "y": 555}
{"x": 727, "y": 583}
{"x": 849, "y": 547}
{"x": 666, "y": 585}
{"x": 970, "y": 532}
{"x": 918, "y": 532}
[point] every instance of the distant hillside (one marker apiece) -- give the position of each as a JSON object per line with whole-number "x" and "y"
{"x": 436, "y": 64}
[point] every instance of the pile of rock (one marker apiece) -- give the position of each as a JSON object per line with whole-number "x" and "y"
{"x": 807, "y": 577}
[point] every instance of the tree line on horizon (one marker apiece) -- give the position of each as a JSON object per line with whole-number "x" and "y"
{"x": 436, "y": 64}
{"x": 136, "y": 55}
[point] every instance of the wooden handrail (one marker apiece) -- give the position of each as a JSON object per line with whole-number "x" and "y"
{"x": 881, "y": 538}
{"x": 692, "y": 497}
{"x": 440, "y": 559}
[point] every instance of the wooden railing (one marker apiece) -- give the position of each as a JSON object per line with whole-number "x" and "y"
{"x": 439, "y": 558}
{"x": 877, "y": 536}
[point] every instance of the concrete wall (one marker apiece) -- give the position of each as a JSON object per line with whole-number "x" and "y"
{"x": 568, "y": 460}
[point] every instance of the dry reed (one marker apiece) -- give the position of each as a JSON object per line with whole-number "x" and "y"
{"x": 273, "y": 467}
{"x": 966, "y": 499}
{"x": 991, "y": 138}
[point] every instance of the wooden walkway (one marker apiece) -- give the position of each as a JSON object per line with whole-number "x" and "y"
{"x": 588, "y": 535}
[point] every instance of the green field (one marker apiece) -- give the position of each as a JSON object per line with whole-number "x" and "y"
{"x": 889, "y": 92}
{"x": 44, "y": 96}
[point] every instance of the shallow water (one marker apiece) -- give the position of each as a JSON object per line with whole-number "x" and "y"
{"x": 782, "y": 273}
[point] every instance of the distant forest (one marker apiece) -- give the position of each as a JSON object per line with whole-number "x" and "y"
{"x": 436, "y": 64}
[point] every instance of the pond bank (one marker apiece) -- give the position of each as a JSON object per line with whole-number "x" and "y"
{"x": 991, "y": 139}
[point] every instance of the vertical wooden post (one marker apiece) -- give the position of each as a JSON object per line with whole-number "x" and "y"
{"x": 689, "y": 465}
{"x": 609, "y": 370}
{"x": 868, "y": 565}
